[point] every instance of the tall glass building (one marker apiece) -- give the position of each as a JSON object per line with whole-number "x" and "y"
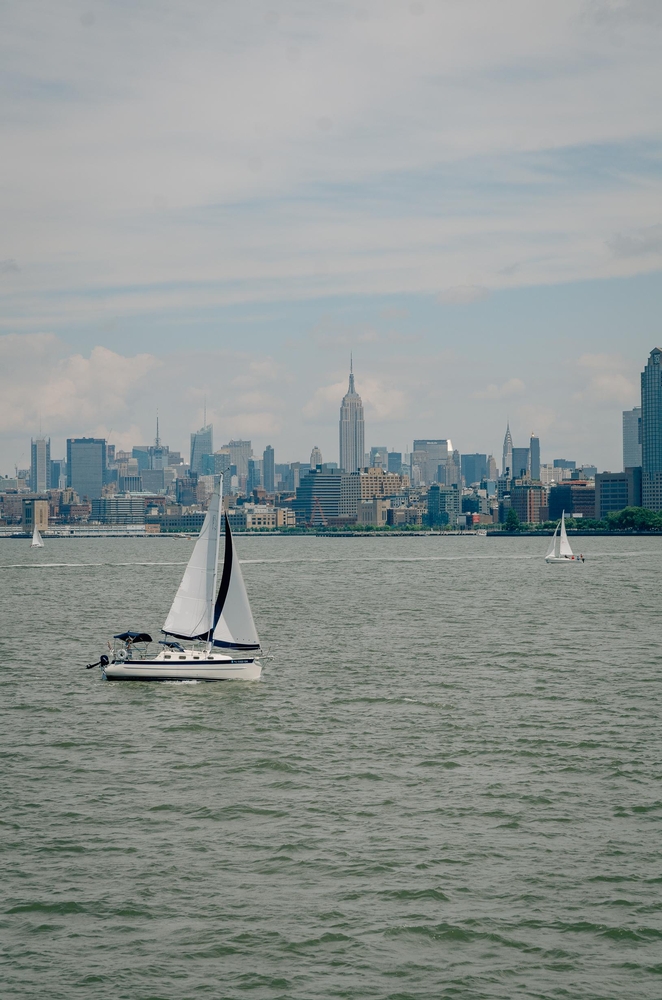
{"x": 352, "y": 430}
{"x": 268, "y": 469}
{"x": 86, "y": 464}
{"x": 40, "y": 465}
{"x": 651, "y": 432}
{"x": 534, "y": 458}
{"x": 201, "y": 444}
{"x": 632, "y": 438}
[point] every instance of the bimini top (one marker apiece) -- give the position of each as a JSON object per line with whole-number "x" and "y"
{"x": 133, "y": 637}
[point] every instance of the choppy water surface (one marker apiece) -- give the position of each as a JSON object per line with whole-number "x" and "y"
{"x": 446, "y": 785}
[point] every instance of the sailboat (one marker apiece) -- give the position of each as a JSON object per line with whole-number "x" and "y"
{"x": 37, "y": 540}
{"x": 217, "y": 629}
{"x": 559, "y": 548}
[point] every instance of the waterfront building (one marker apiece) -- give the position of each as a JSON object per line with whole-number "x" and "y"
{"x": 573, "y": 497}
{"x": 529, "y": 501}
{"x": 86, "y": 466}
{"x": 534, "y": 458}
{"x": 616, "y": 490}
{"x": 651, "y": 432}
{"x": 201, "y": 444}
{"x": 507, "y": 459}
{"x": 268, "y": 469}
{"x": 325, "y": 495}
{"x": 443, "y": 505}
{"x": 315, "y": 457}
{"x": 120, "y": 509}
{"x": 632, "y": 438}
{"x": 40, "y": 464}
{"x": 473, "y": 468}
{"x": 34, "y": 514}
{"x": 351, "y": 429}
{"x": 373, "y": 512}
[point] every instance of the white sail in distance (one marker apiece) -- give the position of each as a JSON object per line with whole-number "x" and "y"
{"x": 554, "y": 544}
{"x": 564, "y": 544}
{"x": 37, "y": 541}
{"x": 192, "y": 613}
{"x": 233, "y": 616}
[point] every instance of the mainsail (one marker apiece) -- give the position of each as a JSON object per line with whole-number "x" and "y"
{"x": 37, "y": 541}
{"x": 564, "y": 545}
{"x": 233, "y": 620}
{"x": 192, "y": 613}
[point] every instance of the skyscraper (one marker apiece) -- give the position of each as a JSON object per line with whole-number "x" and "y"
{"x": 474, "y": 468}
{"x": 520, "y": 462}
{"x": 86, "y": 464}
{"x": 268, "y": 469}
{"x": 315, "y": 457}
{"x": 632, "y": 438}
{"x": 507, "y": 460}
{"x": 651, "y": 432}
{"x": 429, "y": 454}
{"x": 240, "y": 452}
{"x": 40, "y": 465}
{"x": 534, "y": 457}
{"x": 352, "y": 435}
{"x": 201, "y": 444}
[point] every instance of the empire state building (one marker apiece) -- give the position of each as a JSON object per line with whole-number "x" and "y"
{"x": 352, "y": 444}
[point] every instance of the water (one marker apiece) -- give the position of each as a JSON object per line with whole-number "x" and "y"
{"x": 446, "y": 785}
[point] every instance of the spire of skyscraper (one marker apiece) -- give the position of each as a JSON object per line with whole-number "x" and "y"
{"x": 507, "y": 452}
{"x": 352, "y": 442}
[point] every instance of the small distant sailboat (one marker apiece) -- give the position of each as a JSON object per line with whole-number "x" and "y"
{"x": 559, "y": 549}
{"x": 37, "y": 540}
{"x": 224, "y": 644}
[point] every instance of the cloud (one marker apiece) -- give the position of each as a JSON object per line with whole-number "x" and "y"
{"x": 382, "y": 401}
{"x": 463, "y": 294}
{"x": 8, "y": 266}
{"x": 607, "y": 382}
{"x": 38, "y": 385}
{"x": 637, "y": 242}
{"x": 513, "y": 387}
{"x": 314, "y": 183}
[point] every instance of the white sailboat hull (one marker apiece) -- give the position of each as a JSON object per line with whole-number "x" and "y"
{"x": 184, "y": 670}
{"x": 563, "y": 559}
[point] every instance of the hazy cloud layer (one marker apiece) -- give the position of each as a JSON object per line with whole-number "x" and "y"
{"x": 186, "y": 174}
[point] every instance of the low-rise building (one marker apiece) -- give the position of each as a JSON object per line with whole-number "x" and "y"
{"x": 373, "y": 512}
{"x": 35, "y": 514}
{"x": 616, "y": 490}
{"x": 119, "y": 509}
{"x": 529, "y": 501}
{"x": 573, "y": 497}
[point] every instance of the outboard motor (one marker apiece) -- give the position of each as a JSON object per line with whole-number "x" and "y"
{"x": 102, "y": 662}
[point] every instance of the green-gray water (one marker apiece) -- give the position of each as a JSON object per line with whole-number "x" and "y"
{"x": 446, "y": 785}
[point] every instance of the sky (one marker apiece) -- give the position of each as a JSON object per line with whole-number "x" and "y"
{"x": 212, "y": 203}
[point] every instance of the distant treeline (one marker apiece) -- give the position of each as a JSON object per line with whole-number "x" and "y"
{"x": 628, "y": 519}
